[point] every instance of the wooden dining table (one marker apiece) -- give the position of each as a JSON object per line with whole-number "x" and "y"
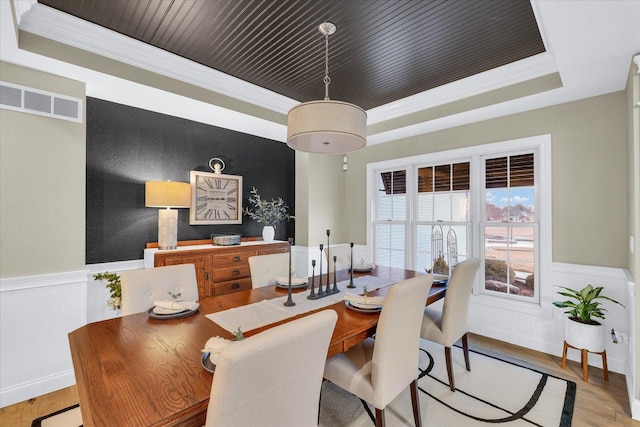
{"x": 139, "y": 371}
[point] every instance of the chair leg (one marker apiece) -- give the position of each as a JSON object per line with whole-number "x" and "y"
{"x": 320, "y": 401}
{"x": 415, "y": 402}
{"x": 465, "y": 350}
{"x": 447, "y": 358}
{"x": 379, "y": 417}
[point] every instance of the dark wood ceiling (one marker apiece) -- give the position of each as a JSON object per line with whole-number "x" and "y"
{"x": 382, "y": 51}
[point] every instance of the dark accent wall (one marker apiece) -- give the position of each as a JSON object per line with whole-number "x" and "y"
{"x": 127, "y": 146}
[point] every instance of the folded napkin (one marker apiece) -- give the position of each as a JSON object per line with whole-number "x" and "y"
{"x": 214, "y": 346}
{"x": 364, "y": 301}
{"x": 284, "y": 280}
{"x": 175, "y": 306}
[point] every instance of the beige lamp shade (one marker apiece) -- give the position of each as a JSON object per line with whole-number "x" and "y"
{"x": 327, "y": 127}
{"x": 167, "y": 194}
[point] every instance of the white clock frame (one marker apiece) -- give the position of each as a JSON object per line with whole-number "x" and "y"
{"x": 213, "y": 216}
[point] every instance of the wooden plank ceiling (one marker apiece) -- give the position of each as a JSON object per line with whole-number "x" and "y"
{"x": 382, "y": 51}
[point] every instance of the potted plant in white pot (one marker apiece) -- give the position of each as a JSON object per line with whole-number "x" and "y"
{"x": 267, "y": 212}
{"x": 582, "y": 330}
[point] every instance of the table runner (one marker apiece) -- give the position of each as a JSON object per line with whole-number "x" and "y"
{"x": 266, "y": 312}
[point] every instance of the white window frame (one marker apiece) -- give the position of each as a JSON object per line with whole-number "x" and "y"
{"x": 541, "y": 146}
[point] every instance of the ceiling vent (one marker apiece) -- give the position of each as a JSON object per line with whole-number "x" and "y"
{"x": 28, "y": 100}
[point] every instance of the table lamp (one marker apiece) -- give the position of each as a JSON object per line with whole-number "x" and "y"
{"x": 167, "y": 194}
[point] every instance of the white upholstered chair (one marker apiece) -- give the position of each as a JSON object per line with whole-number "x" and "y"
{"x": 343, "y": 254}
{"x": 265, "y": 268}
{"x": 273, "y": 378}
{"x": 378, "y": 370}
{"x": 446, "y": 327}
{"x": 140, "y": 288}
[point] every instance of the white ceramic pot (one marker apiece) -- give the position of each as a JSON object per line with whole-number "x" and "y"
{"x": 268, "y": 233}
{"x": 582, "y": 335}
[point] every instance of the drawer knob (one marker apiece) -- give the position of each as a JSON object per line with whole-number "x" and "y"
{"x": 236, "y": 258}
{"x": 236, "y": 272}
{"x": 235, "y": 286}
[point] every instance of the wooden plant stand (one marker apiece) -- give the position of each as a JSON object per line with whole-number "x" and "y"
{"x": 585, "y": 361}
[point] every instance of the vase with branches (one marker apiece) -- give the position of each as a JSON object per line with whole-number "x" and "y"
{"x": 267, "y": 212}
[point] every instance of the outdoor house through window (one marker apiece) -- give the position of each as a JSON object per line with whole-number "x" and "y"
{"x": 509, "y": 227}
{"x": 431, "y": 212}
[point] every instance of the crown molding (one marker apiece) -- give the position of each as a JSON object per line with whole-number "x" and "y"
{"x": 507, "y": 75}
{"x": 23, "y": 6}
{"x": 61, "y": 27}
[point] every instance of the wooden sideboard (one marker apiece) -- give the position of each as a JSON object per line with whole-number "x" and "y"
{"x": 219, "y": 269}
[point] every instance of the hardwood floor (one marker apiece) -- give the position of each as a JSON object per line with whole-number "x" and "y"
{"x": 599, "y": 403}
{"x": 23, "y": 413}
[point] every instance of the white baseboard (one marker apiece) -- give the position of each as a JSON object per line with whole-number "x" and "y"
{"x": 613, "y": 364}
{"x": 635, "y": 409}
{"x": 28, "y": 390}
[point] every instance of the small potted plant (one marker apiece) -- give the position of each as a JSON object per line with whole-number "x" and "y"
{"x": 582, "y": 330}
{"x": 267, "y": 212}
{"x": 114, "y": 286}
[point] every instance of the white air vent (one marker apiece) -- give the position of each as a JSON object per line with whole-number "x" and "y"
{"x": 34, "y": 101}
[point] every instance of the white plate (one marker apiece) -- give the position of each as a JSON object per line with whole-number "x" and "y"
{"x": 296, "y": 282}
{"x": 362, "y": 310}
{"x": 365, "y": 306}
{"x": 175, "y": 315}
{"x": 364, "y": 267}
{"x": 207, "y": 363}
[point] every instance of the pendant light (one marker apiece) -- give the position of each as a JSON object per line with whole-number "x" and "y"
{"x": 327, "y": 126}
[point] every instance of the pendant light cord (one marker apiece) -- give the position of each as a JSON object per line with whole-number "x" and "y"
{"x": 326, "y": 79}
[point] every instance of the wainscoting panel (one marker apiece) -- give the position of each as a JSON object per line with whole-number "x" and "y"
{"x": 544, "y": 330}
{"x": 36, "y": 314}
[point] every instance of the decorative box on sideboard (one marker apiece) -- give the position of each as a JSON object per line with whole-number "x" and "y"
{"x": 219, "y": 269}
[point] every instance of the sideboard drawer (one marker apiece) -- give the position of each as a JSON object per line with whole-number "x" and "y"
{"x": 232, "y": 286}
{"x": 231, "y": 273}
{"x": 233, "y": 259}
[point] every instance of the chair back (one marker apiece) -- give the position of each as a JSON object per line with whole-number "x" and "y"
{"x": 273, "y": 378}
{"x": 395, "y": 354}
{"x": 140, "y": 288}
{"x": 344, "y": 257}
{"x": 455, "y": 312}
{"x": 265, "y": 268}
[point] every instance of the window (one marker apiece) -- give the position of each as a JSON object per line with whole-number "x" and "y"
{"x": 509, "y": 226}
{"x": 492, "y": 202}
{"x": 391, "y": 216}
{"x": 443, "y": 216}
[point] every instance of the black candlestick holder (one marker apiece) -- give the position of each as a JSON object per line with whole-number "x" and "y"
{"x": 335, "y": 289}
{"x": 351, "y": 285}
{"x": 312, "y": 295}
{"x": 289, "y": 302}
{"x": 321, "y": 291}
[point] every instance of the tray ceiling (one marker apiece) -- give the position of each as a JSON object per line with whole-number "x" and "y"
{"x": 382, "y": 51}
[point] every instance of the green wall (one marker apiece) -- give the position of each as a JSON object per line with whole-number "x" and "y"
{"x": 588, "y": 173}
{"x": 42, "y": 183}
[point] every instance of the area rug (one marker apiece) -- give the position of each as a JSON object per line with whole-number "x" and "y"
{"x": 68, "y": 417}
{"x": 495, "y": 392}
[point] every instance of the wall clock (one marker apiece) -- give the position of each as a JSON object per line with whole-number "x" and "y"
{"x": 215, "y": 199}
